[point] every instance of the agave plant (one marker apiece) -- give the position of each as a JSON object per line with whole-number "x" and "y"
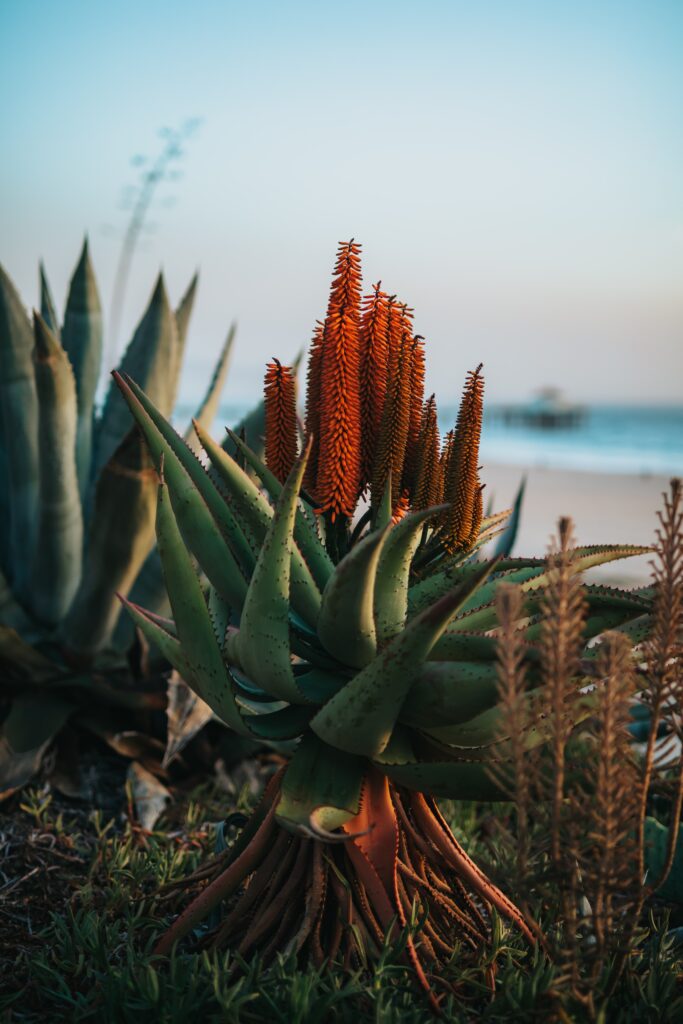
{"x": 363, "y": 637}
{"x": 77, "y": 499}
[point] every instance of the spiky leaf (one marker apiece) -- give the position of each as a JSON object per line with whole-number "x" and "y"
{"x": 361, "y": 717}
{"x": 19, "y": 411}
{"x": 82, "y": 340}
{"x": 56, "y": 563}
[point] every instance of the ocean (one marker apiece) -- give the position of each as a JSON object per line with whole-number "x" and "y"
{"x": 611, "y": 439}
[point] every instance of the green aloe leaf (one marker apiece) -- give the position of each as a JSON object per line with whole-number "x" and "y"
{"x": 48, "y": 309}
{"x": 220, "y": 612}
{"x": 82, "y": 340}
{"x": 393, "y": 574}
{"x": 321, "y": 789}
{"x": 600, "y": 599}
{"x": 19, "y": 412}
{"x": 263, "y": 639}
{"x": 147, "y": 359}
{"x": 454, "y": 779}
{"x": 447, "y": 693}
{"x": 306, "y": 537}
{"x": 120, "y": 539}
{"x": 148, "y": 591}
{"x": 521, "y": 570}
{"x": 360, "y": 718}
{"x": 167, "y": 643}
{"x": 192, "y": 620}
{"x": 56, "y": 562}
{"x": 346, "y": 626}
{"x": 255, "y": 515}
{"x": 252, "y": 430}
{"x": 206, "y": 413}
{"x": 198, "y": 527}
{"x": 286, "y": 724}
{"x": 162, "y": 438}
{"x": 506, "y": 540}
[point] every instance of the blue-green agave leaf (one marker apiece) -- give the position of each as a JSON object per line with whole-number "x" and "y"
{"x": 19, "y": 412}
{"x": 120, "y": 538}
{"x": 206, "y": 413}
{"x": 182, "y": 320}
{"x": 47, "y": 304}
{"x": 56, "y": 561}
{"x": 82, "y": 340}
{"x": 161, "y": 438}
{"x": 147, "y": 360}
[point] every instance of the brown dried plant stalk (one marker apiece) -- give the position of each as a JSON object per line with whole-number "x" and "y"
{"x": 663, "y": 652}
{"x": 603, "y": 804}
{"x": 513, "y": 775}
{"x": 563, "y": 611}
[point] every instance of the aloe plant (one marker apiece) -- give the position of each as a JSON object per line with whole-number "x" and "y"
{"x": 363, "y": 638}
{"x": 77, "y": 498}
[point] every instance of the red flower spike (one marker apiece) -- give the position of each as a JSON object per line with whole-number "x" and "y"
{"x": 339, "y": 458}
{"x": 429, "y": 477}
{"x": 374, "y": 349}
{"x": 312, "y": 421}
{"x": 393, "y": 435}
{"x": 281, "y": 432}
{"x": 462, "y": 489}
{"x": 417, "y": 390}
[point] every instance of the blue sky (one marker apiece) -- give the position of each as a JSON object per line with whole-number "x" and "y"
{"x": 512, "y": 169}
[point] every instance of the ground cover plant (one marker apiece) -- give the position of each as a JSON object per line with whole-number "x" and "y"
{"x": 77, "y": 500}
{"x": 362, "y": 641}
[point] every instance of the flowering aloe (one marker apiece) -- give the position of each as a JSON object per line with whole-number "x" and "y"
{"x": 373, "y": 654}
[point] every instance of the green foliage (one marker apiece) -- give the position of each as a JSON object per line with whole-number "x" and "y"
{"x": 379, "y": 630}
{"x": 90, "y": 957}
{"x": 78, "y": 488}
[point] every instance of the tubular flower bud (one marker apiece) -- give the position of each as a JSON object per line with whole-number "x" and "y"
{"x": 312, "y": 421}
{"x": 374, "y": 349}
{"x": 339, "y": 458}
{"x": 461, "y": 481}
{"x": 281, "y": 432}
{"x": 393, "y": 435}
{"x": 417, "y": 389}
{"x": 429, "y": 478}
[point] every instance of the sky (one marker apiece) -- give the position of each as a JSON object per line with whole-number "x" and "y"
{"x": 512, "y": 170}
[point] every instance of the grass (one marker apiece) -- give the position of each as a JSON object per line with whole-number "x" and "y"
{"x": 81, "y": 913}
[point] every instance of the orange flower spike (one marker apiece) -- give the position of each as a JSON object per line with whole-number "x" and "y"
{"x": 281, "y": 432}
{"x": 393, "y": 435}
{"x": 339, "y": 459}
{"x": 462, "y": 489}
{"x": 417, "y": 389}
{"x": 429, "y": 478}
{"x": 374, "y": 348}
{"x": 312, "y": 422}
{"x": 402, "y": 508}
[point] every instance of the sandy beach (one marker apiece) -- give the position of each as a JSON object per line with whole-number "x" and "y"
{"x": 606, "y": 508}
